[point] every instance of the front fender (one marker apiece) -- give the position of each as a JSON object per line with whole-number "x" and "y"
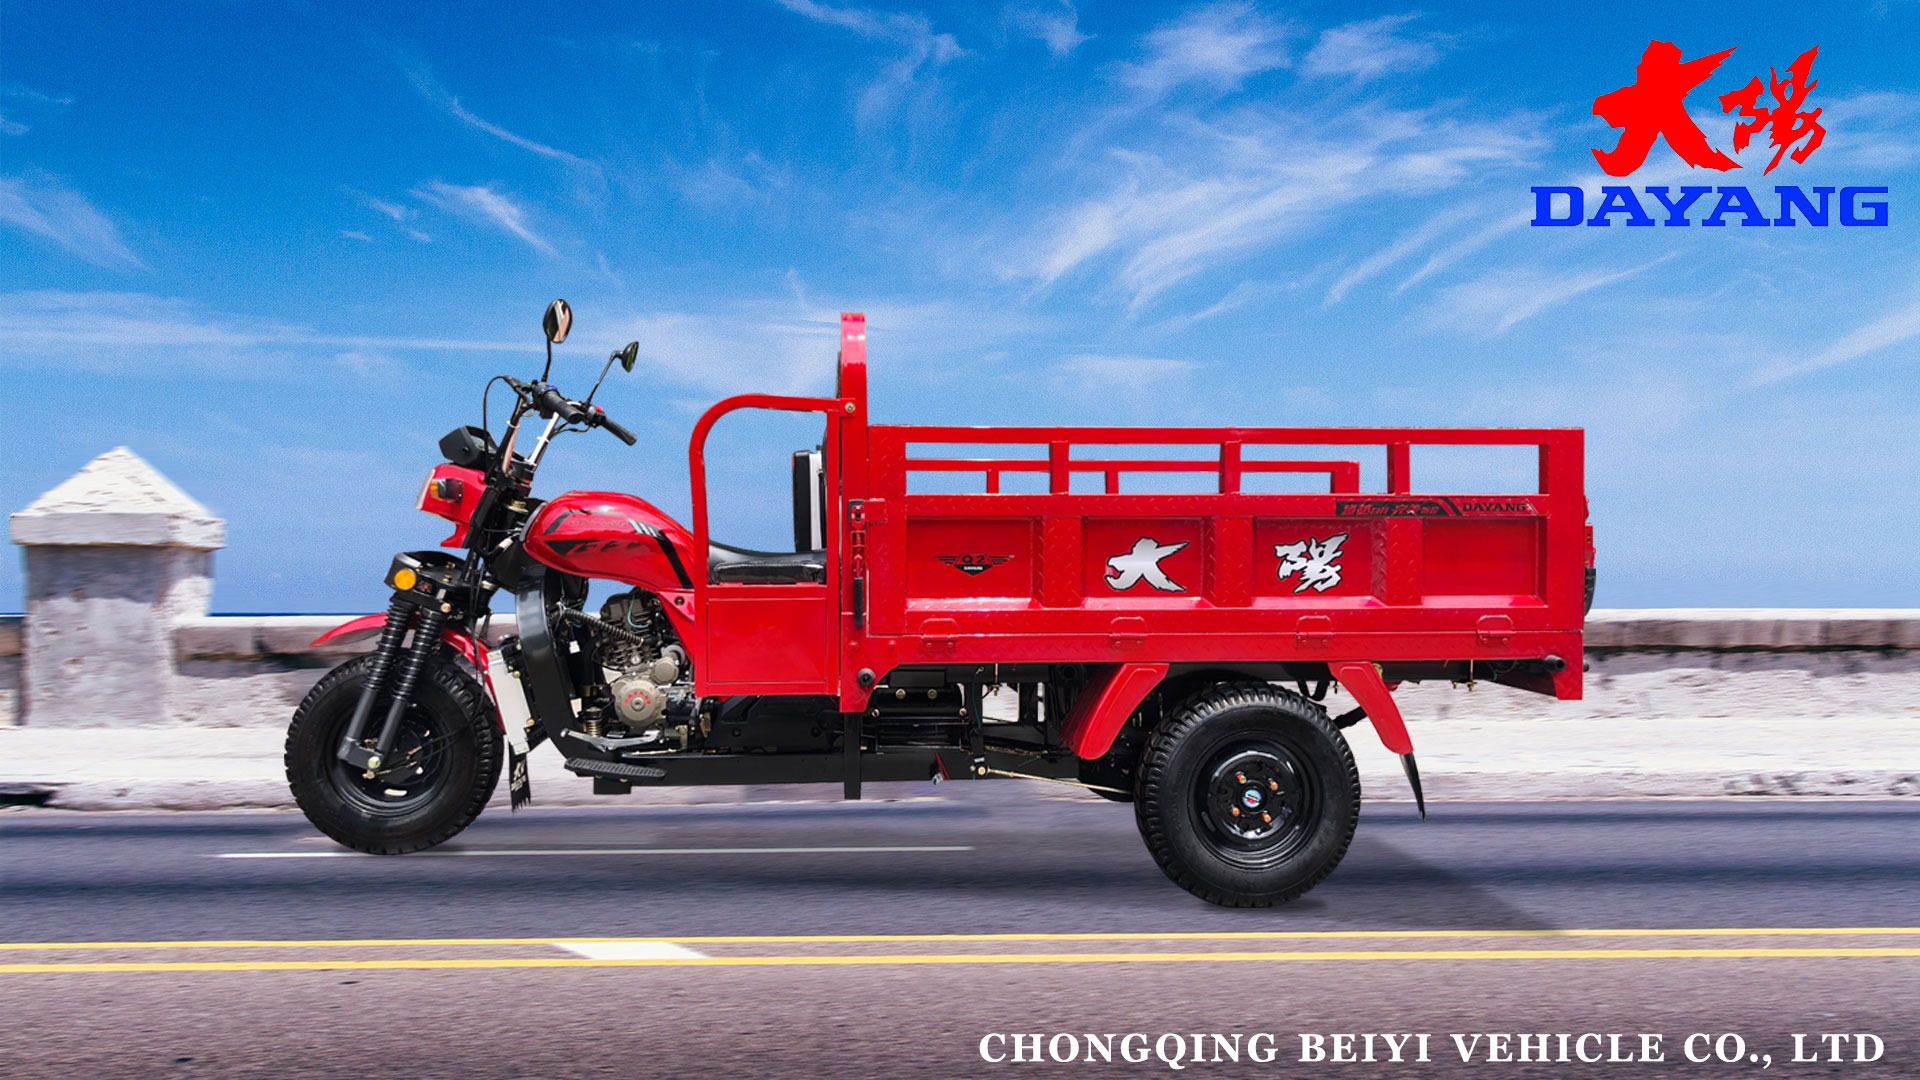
{"x": 366, "y": 626}
{"x": 468, "y": 646}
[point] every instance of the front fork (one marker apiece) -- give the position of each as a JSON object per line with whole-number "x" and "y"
{"x": 426, "y": 639}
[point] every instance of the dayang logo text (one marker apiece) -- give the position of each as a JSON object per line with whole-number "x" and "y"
{"x": 1654, "y": 107}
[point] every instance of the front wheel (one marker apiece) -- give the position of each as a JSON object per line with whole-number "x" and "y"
{"x": 445, "y": 761}
{"x": 1248, "y": 796}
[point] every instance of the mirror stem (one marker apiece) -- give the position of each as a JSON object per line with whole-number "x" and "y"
{"x": 601, "y": 379}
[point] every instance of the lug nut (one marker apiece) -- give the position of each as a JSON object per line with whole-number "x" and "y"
{"x": 1239, "y": 778}
{"x": 1273, "y": 785}
{"x": 1266, "y": 819}
{"x": 1235, "y": 811}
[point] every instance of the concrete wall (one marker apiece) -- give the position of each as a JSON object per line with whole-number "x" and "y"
{"x": 1760, "y": 666}
{"x": 9, "y": 670}
{"x": 239, "y": 671}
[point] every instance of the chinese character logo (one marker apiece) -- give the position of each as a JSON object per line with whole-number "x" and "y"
{"x": 1313, "y": 560}
{"x": 1142, "y": 564}
{"x": 1788, "y": 123}
{"x": 1655, "y": 106}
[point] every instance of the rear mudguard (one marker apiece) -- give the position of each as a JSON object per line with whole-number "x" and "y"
{"x": 1114, "y": 691}
{"x": 1371, "y": 693}
{"x": 1363, "y": 681}
{"x": 468, "y": 646}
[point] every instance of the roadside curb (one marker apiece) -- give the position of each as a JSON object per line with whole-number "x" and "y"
{"x": 186, "y": 768}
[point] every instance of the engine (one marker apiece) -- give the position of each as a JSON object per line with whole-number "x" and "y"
{"x": 644, "y": 662}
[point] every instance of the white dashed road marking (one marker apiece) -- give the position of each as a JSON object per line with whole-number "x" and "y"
{"x": 630, "y": 950}
{"x": 507, "y": 852}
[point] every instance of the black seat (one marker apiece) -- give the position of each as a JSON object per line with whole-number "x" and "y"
{"x": 742, "y": 567}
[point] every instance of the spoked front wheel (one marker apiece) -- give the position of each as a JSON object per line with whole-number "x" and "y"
{"x": 438, "y": 778}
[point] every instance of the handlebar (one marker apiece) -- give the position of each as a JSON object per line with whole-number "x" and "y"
{"x": 548, "y": 401}
{"x": 598, "y": 417}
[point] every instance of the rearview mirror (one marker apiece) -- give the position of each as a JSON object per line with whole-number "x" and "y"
{"x": 628, "y": 355}
{"x": 558, "y": 320}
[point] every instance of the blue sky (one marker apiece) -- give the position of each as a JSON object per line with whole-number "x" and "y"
{"x": 277, "y": 248}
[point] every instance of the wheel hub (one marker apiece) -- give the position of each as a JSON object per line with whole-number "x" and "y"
{"x": 406, "y": 779}
{"x": 1251, "y": 794}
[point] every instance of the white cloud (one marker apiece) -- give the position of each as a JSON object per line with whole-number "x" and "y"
{"x": 1217, "y": 47}
{"x": 786, "y": 343}
{"x": 1871, "y": 130}
{"x": 1098, "y": 374}
{"x": 44, "y": 206}
{"x": 1408, "y": 243}
{"x": 393, "y": 210}
{"x": 483, "y": 203}
{"x": 400, "y": 215}
{"x": 1463, "y": 247}
{"x": 31, "y": 102}
{"x": 1896, "y": 328}
{"x": 1057, "y": 25}
{"x": 1499, "y": 301}
{"x": 431, "y": 89}
{"x": 106, "y": 328}
{"x": 1215, "y": 191}
{"x": 17, "y": 92}
{"x": 921, "y": 48}
{"x": 1367, "y": 50}
{"x": 719, "y": 184}
{"x": 770, "y": 349}
{"x": 1237, "y": 297}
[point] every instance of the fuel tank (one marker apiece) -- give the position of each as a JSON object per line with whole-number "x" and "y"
{"x": 605, "y": 534}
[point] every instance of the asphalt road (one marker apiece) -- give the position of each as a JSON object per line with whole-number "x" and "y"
{"x": 890, "y": 938}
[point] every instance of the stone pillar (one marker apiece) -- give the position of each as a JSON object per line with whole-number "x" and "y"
{"x": 116, "y": 557}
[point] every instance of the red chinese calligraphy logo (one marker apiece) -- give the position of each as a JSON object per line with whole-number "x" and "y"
{"x": 1655, "y": 106}
{"x": 1789, "y": 124}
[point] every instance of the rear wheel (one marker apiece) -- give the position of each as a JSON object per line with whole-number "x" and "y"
{"x": 1248, "y": 796}
{"x": 443, "y": 768}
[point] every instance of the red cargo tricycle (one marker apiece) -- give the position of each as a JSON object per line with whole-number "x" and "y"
{"x": 1170, "y": 650}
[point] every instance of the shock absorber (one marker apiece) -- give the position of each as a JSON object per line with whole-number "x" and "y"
{"x": 426, "y": 639}
{"x": 399, "y": 616}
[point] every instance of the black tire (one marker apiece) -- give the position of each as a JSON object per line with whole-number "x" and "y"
{"x": 1261, "y": 750}
{"x": 445, "y": 762}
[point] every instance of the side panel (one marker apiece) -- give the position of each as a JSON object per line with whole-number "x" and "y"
{"x": 971, "y": 559}
{"x": 768, "y": 639}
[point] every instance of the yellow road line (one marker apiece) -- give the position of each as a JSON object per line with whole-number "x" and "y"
{"x": 961, "y": 959}
{"x": 881, "y": 939}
